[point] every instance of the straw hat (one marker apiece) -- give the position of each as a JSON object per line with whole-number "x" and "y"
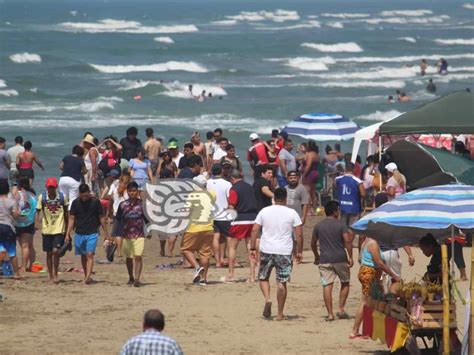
{"x": 89, "y": 139}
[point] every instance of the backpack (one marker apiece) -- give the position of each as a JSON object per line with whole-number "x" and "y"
{"x": 28, "y": 211}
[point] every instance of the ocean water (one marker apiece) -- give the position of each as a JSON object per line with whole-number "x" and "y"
{"x": 71, "y": 66}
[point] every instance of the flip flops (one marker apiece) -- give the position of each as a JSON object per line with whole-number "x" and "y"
{"x": 67, "y": 246}
{"x": 110, "y": 251}
{"x": 342, "y": 315}
{"x": 357, "y": 337}
{"x": 329, "y": 319}
{"x": 267, "y": 310}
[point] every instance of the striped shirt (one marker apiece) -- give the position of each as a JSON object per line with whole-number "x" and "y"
{"x": 151, "y": 342}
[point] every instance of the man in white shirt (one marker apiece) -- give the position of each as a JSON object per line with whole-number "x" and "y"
{"x": 220, "y": 152}
{"x": 12, "y": 153}
{"x": 277, "y": 223}
{"x": 221, "y": 189}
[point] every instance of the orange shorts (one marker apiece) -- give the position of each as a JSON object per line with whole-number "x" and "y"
{"x": 200, "y": 242}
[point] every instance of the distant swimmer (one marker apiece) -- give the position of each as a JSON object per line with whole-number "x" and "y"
{"x": 190, "y": 88}
{"x": 391, "y": 99}
{"x": 431, "y": 87}
{"x": 202, "y": 97}
{"x": 404, "y": 97}
{"x": 209, "y": 96}
{"x": 443, "y": 66}
{"x": 423, "y": 67}
{"x": 399, "y": 95}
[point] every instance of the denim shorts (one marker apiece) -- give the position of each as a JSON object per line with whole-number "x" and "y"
{"x": 85, "y": 243}
{"x": 282, "y": 263}
{"x": 7, "y": 240}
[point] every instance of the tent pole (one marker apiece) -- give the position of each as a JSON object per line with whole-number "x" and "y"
{"x": 452, "y": 252}
{"x": 380, "y": 159}
{"x": 471, "y": 320}
{"x": 445, "y": 276}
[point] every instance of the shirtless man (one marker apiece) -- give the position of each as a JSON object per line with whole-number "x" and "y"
{"x": 199, "y": 148}
{"x": 153, "y": 149}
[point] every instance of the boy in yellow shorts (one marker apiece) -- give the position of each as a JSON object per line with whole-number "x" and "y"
{"x": 130, "y": 214}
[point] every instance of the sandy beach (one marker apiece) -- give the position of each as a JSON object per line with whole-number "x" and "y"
{"x": 218, "y": 318}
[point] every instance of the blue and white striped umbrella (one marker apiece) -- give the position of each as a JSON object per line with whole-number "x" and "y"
{"x": 322, "y": 127}
{"x": 409, "y": 217}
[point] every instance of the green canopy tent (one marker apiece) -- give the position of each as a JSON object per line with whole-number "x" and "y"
{"x": 450, "y": 114}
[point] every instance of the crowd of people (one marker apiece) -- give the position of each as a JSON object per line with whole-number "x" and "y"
{"x": 107, "y": 180}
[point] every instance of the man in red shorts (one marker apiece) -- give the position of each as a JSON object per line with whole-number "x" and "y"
{"x": 242, "y": 200}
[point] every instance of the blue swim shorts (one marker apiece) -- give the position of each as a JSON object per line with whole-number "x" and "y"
{"x": 85, "y": 243}
{"x": 7, "y": 240}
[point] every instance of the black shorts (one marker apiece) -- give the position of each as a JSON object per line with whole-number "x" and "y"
{"x": 117, "y": 228}
{"x": 52, "y": 241}
{"x": 29, "y": 173}
{"x": 222, "y": 227}
{"x": 25, "y": 230}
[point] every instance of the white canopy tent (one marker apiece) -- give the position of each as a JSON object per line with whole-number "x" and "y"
{"x": 364, "y": 134}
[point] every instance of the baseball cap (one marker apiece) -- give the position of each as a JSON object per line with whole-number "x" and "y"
{"x": 200, "y": 180}
{"x": 254, "y": 136}
{"x": 172, "y": 145}
{"x": 391, "y": 167}
{"x": 51, "y": 182}
{"x": 114, "y": 173}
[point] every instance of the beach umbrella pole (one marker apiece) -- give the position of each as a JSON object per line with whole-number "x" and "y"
{"x": 444, "y": 257}
{"x": 380, "y": 159}
{"x": 471, "y": 320}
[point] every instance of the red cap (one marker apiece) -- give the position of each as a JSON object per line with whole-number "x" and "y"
{"x": 51, "y": 182}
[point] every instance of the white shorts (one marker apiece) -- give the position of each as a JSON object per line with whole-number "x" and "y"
{"x": 392, "y": 260}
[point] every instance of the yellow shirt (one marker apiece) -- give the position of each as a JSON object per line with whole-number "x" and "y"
{"x": 201, "y": 204}
{"x": 53, "y": 221}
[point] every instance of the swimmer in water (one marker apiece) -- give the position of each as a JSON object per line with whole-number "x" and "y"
{"x": 404, "y": 97}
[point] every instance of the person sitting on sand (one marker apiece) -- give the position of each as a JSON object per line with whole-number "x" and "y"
{"x": 151, "y": 341}
{"x": 277, "y": 224}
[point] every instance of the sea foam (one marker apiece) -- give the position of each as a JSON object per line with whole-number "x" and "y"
{"x": 179, "y": 90}
{"x": 345, "y": 15}
{"x": 459, "y": 41}
{"x": 338, "y": 47}
{"x": 167, "y": 40}
{"x": 111, "y": 25}
{"x": 278, "y": 15}
{"x": 380, "y": 115}
{"x": 376, "y": 73}
{"x": 160, "y": 67}
{"x": 410, "y": 13}
{"x": 8, "y": 92}
{"x": 25, "y": 58}
{"x": 468, "y": 6}
{"x": 306, "y": 24}
{"x": 408, "y": 39}
{"x": 310, "y": 64}
{"x": 403, "y": 59}
{"x": 3, "y": 84}
{"x": 335, "y": 24}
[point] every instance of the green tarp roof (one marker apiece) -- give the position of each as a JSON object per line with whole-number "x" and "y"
{"x": 450, "y": 114}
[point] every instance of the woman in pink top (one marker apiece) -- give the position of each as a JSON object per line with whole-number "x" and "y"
{"x": 397, "y": 183}
{"x": 24, "y": 162}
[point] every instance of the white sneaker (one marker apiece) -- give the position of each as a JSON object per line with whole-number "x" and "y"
{"x": 197, "y": 274}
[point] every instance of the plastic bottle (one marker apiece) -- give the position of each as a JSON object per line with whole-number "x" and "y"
{"x": 7, "y": 268}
